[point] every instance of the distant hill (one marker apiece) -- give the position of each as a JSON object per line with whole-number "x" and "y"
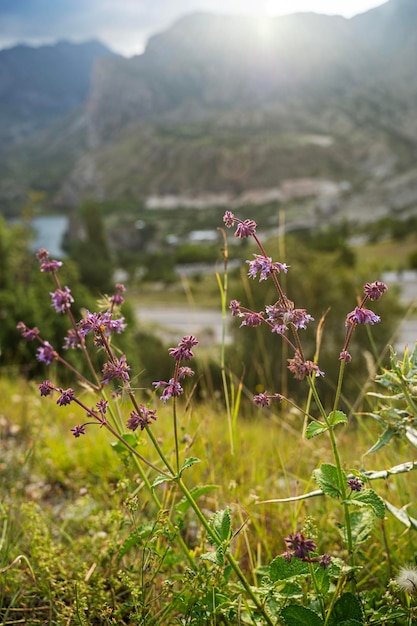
{"x": 40, "y": 84}
{"x": 223, "y": 105}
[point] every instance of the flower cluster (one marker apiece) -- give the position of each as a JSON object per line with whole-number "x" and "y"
{"x": 299, "y": 547}
{"x": 141, "y": 418}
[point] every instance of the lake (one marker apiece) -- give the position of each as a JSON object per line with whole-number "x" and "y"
{"x": 49, "y": 233}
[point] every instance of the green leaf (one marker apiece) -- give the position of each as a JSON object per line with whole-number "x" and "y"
{"x": 326, "y": 478}
{"x": 346, "y": 605}
{"x": 402, "y": 515}
{"x": 220, "y": 522}
{"x": 369, "y": 497}
{"x": 159, "y": 480}
{"x": 322, "y": 579}
{"x": 362, "y": 523}
{"x": 337, "y": 417}
{"x": 118, "y": 446}
{"x": 383, "y": 440}
{"x": 314, "y": 429}
{"x": 196, "y": 492}
{"x": 216, "y": 557}
{"x": 294, "y": 615}
{"x": 188, "y": 463}
{"x": 280, "y": 569}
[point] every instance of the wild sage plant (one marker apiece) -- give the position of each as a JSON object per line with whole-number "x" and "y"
{"x": 360, "y": 503}
{"x": 281, "y": 597}
{"x": 113, "y": 380}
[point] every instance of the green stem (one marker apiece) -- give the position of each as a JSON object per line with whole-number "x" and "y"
{"x": 232, "y": 561}
{"x": 316, "y": 589}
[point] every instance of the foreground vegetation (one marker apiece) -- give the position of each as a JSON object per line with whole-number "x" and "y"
{"x": 294, "y": 509}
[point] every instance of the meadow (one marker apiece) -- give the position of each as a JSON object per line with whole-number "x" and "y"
{"x": 120, "y": 508}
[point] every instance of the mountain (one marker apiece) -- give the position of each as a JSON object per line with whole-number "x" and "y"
{"x": 38, "y": 85}
{"x": 230, "y": 105}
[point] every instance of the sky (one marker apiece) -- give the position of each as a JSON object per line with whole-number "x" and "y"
{"x": 126, "y": 25}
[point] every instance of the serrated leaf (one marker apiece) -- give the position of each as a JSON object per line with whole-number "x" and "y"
{"x": 314, "y": 429}
{"x": 369, "y": 497}
{"x": 383, "y": 440}
{"x": 346, "y": 605}
{"x": 210, "y": 556}
{"x": 362, "y": 523}
{"x": 159, "y": 480}
{"x": 220, "y": 522}
{"x": 196, "y": 492}
{"x": 280, "y": 569}
{"x": 322, "y": 580}
{"x": 337, "y": 417}
{"x": 295, "y": 615}
{"x": 189, "y": 462}
{"x": 326, "y": 478}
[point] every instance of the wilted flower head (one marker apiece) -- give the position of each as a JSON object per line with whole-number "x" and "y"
{"x": 78, "y": 430}
{"x": 66, "y": 397}
{"x": 407, "y": 579}
{"x": 228, "y": 219}
{"x": 46, "y": 388}
{"x": 375, "y": 290}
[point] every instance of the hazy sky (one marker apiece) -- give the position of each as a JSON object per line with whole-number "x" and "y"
{"x": 125, "y": 25}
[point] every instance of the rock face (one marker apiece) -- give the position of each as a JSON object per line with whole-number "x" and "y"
{"x": 218, "y": 105}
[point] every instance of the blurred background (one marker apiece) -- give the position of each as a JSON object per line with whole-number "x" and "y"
{"x": 127, "y": 128}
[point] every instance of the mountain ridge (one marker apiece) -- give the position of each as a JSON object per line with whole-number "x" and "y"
{"x": 221, "y": 104}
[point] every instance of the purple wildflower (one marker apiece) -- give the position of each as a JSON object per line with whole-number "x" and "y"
{"x": 61, "y": 299}
{"x": 325, "y": 561}
{"x": 46, "y": 354}
{"x": 355, "y": 483}
{"x": 72, "y": 340}
{"x": 280, "y": 315}
{"x": 78, "y": 430}
{"x": 361, "y": 315}
{"x": 345, "y": 356}
{"x": 263, "y": 399}
{"x": 172, "y": 389}
{"x": 228, "y": 219}
{"x": 102, "y": 406}
{"x": 46, "y": 388}
{"x": 100, "y": 323}
{"x": 374, "y": 291}
{"x": 185, "y": 371}
{"x": 183, "y": 351}
{"x": 301, "y": 368}
{"x": 265, "y": 267}
{"x": 245, "y": 229}
{"x": 66, "y": 397}
{"x": 117, "y": 298}
{"x": 116, "y": 369}
{"x": 252, "y": 319}
{"x": 47, "y": 265}
{"x": 299, "y": 546}
{"x": 27, "y": 333}
{"x": 142, "y": 418}
{"x": 235, "y": 308}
